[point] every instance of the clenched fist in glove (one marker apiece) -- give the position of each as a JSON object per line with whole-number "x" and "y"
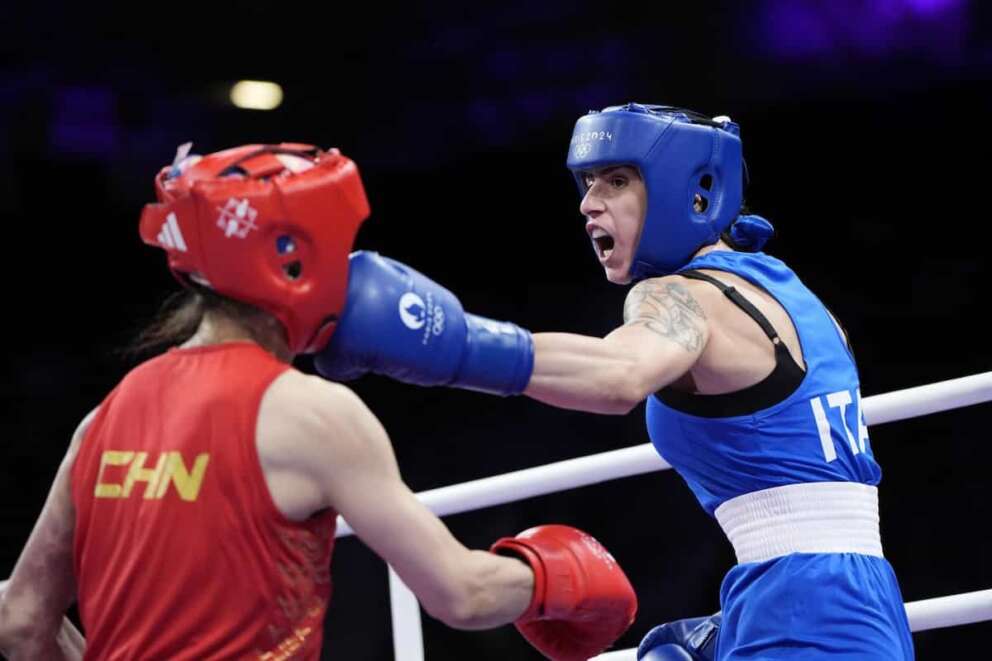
{"x": 582, "y": 599}
{"x": 400, "y": 323}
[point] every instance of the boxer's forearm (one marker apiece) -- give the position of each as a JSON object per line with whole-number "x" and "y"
{"x": 42, "y": 587}
{"x": 493, "y": 591}
{"x": 585, "y": 373}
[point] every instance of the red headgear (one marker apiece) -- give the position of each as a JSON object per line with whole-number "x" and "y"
{"x": 255, "y": 226}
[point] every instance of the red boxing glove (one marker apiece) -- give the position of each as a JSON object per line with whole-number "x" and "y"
{"x": 582, "y": 599}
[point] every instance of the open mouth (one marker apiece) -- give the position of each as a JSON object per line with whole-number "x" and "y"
{"x": 603, "y": 243}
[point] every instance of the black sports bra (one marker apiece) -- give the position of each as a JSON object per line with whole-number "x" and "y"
{"x": 774, "y": 388}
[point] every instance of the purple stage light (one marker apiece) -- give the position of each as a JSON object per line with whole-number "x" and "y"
{"x": 865, "y": 29}
{"x": 933, "y": 6}
{"x": 84, "y": 121}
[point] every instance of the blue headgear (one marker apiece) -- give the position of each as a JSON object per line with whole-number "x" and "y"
{"x": 680, "y": 154}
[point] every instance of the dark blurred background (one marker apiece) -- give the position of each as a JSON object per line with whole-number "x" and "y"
{"x": 866, "y": 132}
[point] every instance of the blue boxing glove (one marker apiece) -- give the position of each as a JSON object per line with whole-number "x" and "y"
{"x": 399, "y": 323}
{"x": 693, "y": 639}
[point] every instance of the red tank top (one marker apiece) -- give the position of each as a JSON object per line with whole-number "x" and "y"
{"x": 180, "y": 552}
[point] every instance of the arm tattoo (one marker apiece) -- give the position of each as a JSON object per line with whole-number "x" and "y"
{"x": 668, "y": 309}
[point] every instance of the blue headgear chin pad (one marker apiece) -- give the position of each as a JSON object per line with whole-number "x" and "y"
{"x": 681, "y": 155}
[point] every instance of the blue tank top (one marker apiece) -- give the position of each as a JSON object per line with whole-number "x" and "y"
{"x": 815, "y": 434}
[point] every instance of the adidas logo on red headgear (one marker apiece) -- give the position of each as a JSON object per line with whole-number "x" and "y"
{"x": 169, "y": 236}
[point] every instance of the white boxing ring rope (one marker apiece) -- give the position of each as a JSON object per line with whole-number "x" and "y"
{"x": 572, "y": 473}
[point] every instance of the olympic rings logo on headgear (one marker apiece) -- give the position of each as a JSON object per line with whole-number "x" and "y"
{"x": 269, "y": 225}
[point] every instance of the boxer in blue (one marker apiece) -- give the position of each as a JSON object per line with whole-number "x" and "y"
{"x": 751, "y": 386}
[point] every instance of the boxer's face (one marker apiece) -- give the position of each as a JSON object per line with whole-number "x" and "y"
{"x": 614, "y": 206}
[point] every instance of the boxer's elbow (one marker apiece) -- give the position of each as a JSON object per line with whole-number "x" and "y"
{"x": 608, "y": 392}
{"x": 19, "y": 633}
{"x": 623, "y": 403}
{"x": 462, "y": 608}
{"x": 624, "y": 379}
{"x": 464, "y": 614}
{"x": 457, "y": 609}
{"x": 622, "y": 391}
{"x": 450, "y": 602}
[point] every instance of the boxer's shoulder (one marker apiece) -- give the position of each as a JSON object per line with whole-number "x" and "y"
{"x": 667, "y": 295}
{"x": 81, "y": 429}
{"x": 304, "y": 422}
{"x": 298, "y": 409}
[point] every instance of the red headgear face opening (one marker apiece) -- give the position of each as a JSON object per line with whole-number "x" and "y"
{"x": 269, "y": 225}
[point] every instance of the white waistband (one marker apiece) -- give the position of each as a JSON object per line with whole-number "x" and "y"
{"x": 815, "y": 517}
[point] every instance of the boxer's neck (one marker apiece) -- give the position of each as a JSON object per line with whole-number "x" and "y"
{"x": 217, "y": 328}
{"x": 713, "y": 247}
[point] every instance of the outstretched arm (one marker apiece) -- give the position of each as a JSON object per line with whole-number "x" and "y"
{"x": 42, "y": 586}
{"x": 344, "y": 452}
{"x": 400, "y": 323}
{"x": 663, "y": 335}
{"x": 469, "y": 589}
{"x": 564, "y": 592}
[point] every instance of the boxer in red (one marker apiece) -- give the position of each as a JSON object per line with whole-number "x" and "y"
{"x": 193, "y": 515}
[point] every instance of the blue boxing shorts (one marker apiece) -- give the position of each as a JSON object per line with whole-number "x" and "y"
{"x": 812, "y": 582}
{"x": 814, "y": 605}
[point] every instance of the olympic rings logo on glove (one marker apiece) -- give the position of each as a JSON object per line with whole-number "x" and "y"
{"x": 437, "y": 324}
